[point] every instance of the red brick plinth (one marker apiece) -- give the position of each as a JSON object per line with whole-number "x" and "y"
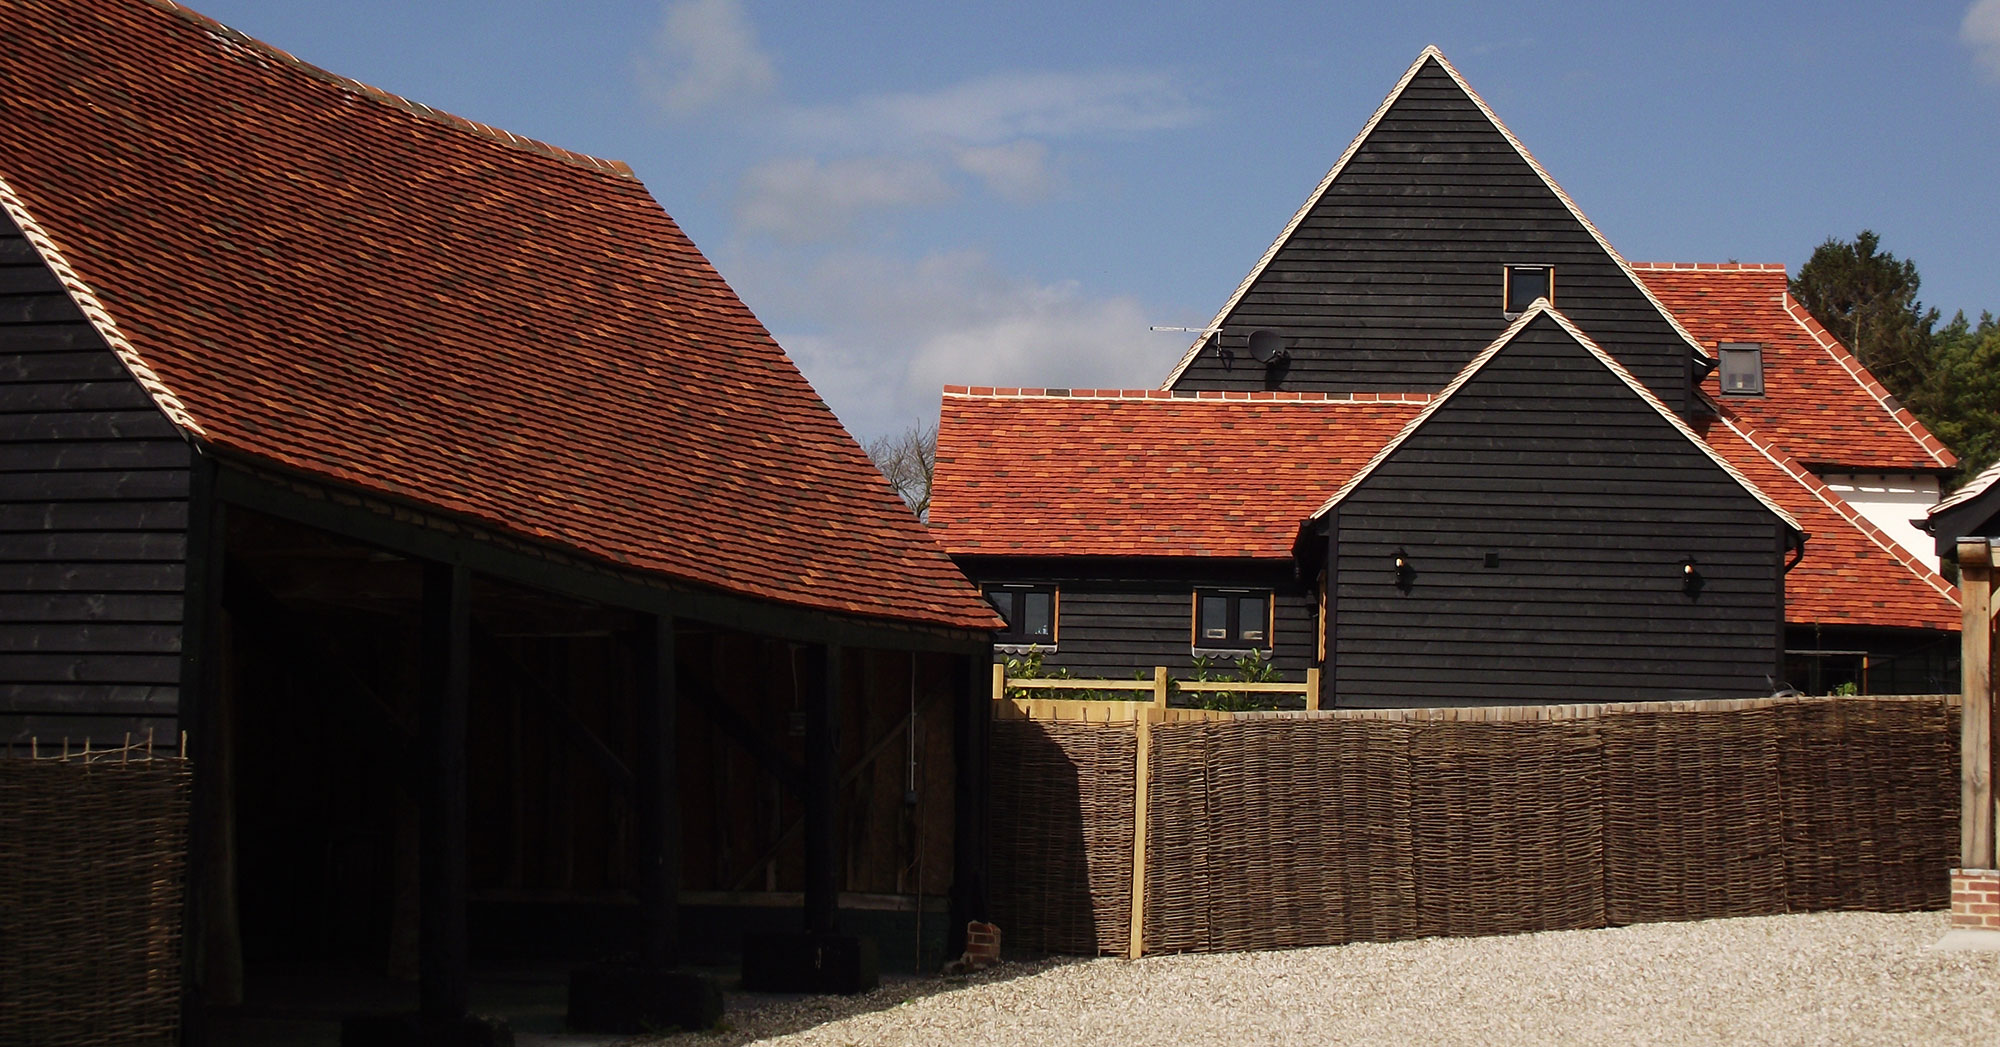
{"x": 982, "y": 944}
{"x": 982, "y": 949}
{"x": 1975, "y": 899}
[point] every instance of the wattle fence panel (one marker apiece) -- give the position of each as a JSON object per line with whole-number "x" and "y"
{"x": 1285, "y": 829}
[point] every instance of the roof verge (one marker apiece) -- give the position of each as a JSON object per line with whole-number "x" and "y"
{"x": 99, "y": 317}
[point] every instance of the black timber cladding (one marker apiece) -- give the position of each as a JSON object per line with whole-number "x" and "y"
{"x": 1392, "y": 282}
{"x": 93, "y": 522}
{"x": 1115, "y": 618}
{"x": 1589, "y": 503}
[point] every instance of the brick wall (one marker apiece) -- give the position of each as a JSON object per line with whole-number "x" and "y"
{"x": 1975, "y": 899}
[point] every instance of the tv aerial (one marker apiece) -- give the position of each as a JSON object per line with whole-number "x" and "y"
{"x": 1266, "y": 347}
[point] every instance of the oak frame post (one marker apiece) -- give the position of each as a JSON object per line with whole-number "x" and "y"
{"x": 822, "y": 792}
{"x": 444, "y": 717}
{"x": 657, "y": 794}
{"x": 972, "y": 727}
{"x": 211, "y": 944}
{"x": 1976, "y": 800}
{"x": 1142, "y": 779}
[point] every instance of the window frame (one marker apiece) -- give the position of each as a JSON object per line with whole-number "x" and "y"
{"x": 1723, "y": 351}
{"x": 1012, "y": 637}
{"x": 1507, "y": 288}
{"x": 1233, "y": 613}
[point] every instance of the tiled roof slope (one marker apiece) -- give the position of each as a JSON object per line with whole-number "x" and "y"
{"x": 1973, "y": 488}
{"x": 1024, "y": 472}
{"x": 1146, "y": 473}
{"x": 1819, "y": 403}
{"x": 361, "y": 289}
{"x": 1852, "y": 573}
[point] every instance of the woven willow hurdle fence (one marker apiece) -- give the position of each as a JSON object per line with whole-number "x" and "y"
{"x": 1125, "y": 828}
{"x": 92, "y": 859}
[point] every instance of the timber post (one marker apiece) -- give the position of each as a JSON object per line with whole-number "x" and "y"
{"x": 822, "y": 793}
{"x": 971, "y": 730}
{"x": 211, "y": 945}
{"x": 1976, "y": 799}
{"x": 657, "y": 794}
{"x": 446, "y": 699}
{"x": 1142, "y": 780}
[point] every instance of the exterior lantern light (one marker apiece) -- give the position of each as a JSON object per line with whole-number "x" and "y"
{"x": 1406, "y": 576}
{"x": 1691, "y": 580}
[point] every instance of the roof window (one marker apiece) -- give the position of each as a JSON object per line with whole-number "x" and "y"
{"x": 1522, "y": 284}
{"x": 1742, "y": 368}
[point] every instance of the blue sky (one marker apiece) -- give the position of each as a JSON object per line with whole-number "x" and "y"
{"x": 915, "y": 194}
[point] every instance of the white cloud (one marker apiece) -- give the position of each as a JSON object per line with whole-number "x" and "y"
{"x": 1981, "y": 32}
{"x": 1017, "y": 172}
{"x": 802, "y": 198}
{"x": 705, "y": 54}
{"x": 827, "y": 164}
{"x": 1000, "y": 108}
{"x": 903, "y": 150}
{"x": 887, "y": 335}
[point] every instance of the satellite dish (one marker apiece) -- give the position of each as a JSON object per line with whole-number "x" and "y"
{"x": 1267, "y": 346}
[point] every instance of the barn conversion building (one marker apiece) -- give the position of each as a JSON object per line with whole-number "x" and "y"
{"x": 1446, "y": 445}
{"x": 516, "y": 595}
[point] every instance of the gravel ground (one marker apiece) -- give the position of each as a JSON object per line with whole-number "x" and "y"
{"x": 1825, "y": 978}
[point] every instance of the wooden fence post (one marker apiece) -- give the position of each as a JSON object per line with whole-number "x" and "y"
{"x": 1142, "y": 775}
{"x": 1976, "y": 800}
{"x": 1312, "y": 690}
{"x": 999, "y": 680}
{"x": 1160, "y": 686}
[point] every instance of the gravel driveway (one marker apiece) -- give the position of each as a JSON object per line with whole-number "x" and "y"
{"x": 1826, "y": 978}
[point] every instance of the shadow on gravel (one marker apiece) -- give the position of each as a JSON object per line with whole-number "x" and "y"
{"x": 750, "y": 1017}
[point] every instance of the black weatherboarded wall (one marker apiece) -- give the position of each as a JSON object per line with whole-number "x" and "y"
{"x": 1589, "y": 502}
{"x": 1393, "y": 280}
{"x": 93, "y": 518}
{"x": 1117, "y": 617}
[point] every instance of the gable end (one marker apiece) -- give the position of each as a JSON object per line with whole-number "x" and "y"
{"x": 1554, "y": 519}
{"x": 1391, "y": 275}
{"x": 94, "y": 489}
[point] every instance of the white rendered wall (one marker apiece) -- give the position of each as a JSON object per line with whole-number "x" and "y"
{"x": 1891, "y": 502}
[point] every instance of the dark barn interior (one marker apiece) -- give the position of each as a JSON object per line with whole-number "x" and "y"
{"x": 318, "y": 731}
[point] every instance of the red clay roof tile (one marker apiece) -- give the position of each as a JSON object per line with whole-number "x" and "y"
{"x": 1819, "y": 402}
{"x": 1852, "y": 573}
{"x": 1128, "y": 473}
{"x": 371, "y": 292}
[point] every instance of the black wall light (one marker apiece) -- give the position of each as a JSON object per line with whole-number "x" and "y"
{"x": 1691, "y": 580}
{"x": 1406, "y": 575}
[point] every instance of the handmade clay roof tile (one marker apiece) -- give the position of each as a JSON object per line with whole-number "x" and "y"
{"x": 1819, "y": 402}
{"x": 1135, "y": 473}
{"x": 312, "y": 273}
